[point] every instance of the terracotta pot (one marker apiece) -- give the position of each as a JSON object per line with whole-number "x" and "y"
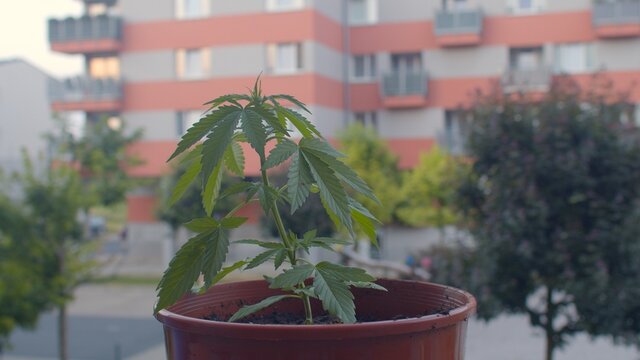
{"x": 433, "y": 337}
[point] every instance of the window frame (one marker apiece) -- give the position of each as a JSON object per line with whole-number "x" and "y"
{"x": 370, "y": 68}
{"x": 537, "y": 6}
{"x": 587, "y": 50}
{"x": 179, "y": 11}
{"x": 273, "y": 56}
{"x": 274, "y": 6}
{"x": 368, "y": 119}
{"x": 371, "y": 13}
{"x": 181, "y": 61}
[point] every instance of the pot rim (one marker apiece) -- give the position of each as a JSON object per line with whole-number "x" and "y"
{"x": 324, "y": 331}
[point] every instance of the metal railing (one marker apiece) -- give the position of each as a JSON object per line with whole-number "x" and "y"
{"x": 403, "y": 83}
{"x": 450, "y": 22}
{"x": 85, "y": 28}
{"x": 84, "y": 88}
{"x": 616, "y": 12}
{"x": 527, "y": 79}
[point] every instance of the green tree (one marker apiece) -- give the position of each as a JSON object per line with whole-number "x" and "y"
{"x": 52, "y": 203}
{"x": 27, "y": 284}
{"x": 427, "y": 194}
{"x": 552, "y": 200}
{"x": 370, "y": 157}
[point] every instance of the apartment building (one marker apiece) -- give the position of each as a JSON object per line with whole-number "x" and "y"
{"x": 399, "y": 66}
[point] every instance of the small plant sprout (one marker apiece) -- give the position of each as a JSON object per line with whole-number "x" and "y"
{"x": 314, "y": 167}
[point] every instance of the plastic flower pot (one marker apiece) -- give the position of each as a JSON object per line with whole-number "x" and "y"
{"x": 438, "y": 336}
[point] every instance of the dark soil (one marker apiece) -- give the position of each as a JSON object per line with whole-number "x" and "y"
{"x": 280, "y": 318}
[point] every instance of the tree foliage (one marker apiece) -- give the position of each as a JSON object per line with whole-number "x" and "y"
{"x": 427, "y": 191}
{"x": 552, "y": 201}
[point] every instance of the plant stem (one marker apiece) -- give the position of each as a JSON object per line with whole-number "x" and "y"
{"x": 292, "y": 250}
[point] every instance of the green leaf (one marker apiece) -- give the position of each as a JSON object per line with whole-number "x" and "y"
{"x": 250, "y": 309}
{"x": 292, "y": 100}
{"x": 212, "y": 189}
{"x": 202, "y": 128}
{"x": 236, "y": 188}
{"x": 320, "y": 146}
{"x": 185, "y": 180}
{"x": 299, "y": 181}
{"x": 233, "y": 98}
{"x": 280, "y": 257}
{"x": 264, "y": 244}
{"x": 267, "y": 195}
{"x": 366, "y": 225}
{"x": 234, "y": 159}
{"x": 218, "y": 140}
{"x": 271, "y": 119}
{"x": 345, "y": 273}
{"x": 233, "y": 222}
{"x": 331, "y": 190}
{"x": 201, "y": 225}
{"x": 255, "y": 131}
{"x": 183, "y": 271}
{"x": 217, "y": 246}
{"x": 366, "y": 285}
{"x": 304, "y": 126}
{"x": 292, "y": 277}
{"x": 261, "y": 258}
{"x": 222, "y": 274}
{"x": 283, "y": 150}
{"x": 334, "y": 294}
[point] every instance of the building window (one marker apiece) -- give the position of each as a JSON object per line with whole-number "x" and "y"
{"x": 526, "y": 58}
{"x": 104, "y": 67}
{"x": 362, "y": 12}
{"x": 189, "y": 9}
{"x": 284, "y": 5}
{"x": 364, "y": 67}
{"x": 192, "y": 63}
{"x": 574, "y": 58}
{"x": 284, "y": 58}
{"x": 456, "y": 131}
{"x": 366, "y": 119}
{"x": 526, "y": 6}
{"x": 186, "y": 119}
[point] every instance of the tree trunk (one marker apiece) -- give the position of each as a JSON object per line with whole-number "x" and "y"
{"x": 549, "y": 330}
{"x": 62, "y": 333}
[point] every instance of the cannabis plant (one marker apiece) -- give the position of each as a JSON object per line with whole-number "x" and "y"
{"x": 314, "y": 167}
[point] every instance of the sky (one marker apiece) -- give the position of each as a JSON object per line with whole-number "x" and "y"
{"x": 23, "y": 34}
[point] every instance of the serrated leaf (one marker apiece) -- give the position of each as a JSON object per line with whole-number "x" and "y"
{"x": 236, "y": 188}
{"x": 264, "y": 244}
{"x": 298, "y": 121}
{"x": 366, "y": 225}
{"x": 212, "y": 189}
{"x": 222, "y": 274}
{"x": 331, "y": 190}
{"x": 250, "y": 309}
{"x": 201, "y": 225}
{"x": 254, "y": 130}
{"x": 283, "y": 151}
{"x": 218, "y": 140}
{"x": 366, "y": 285}
{"x": 272, "y": 120}
{"x": 335, "y": 295}
{"x": 292, "y": 277}
{"x": 192, "y": 155}
{"x": 234, "y": 159}
{"x": 184, "y": 182}
{"x": 267, "y": 196}
{"x": 200, "y": 129}
{"x": 233, "y": 222}
{"x": 292, "y": 100}
{"x": 217, "y": 247}
{"x": 310, "y": 235}
{"x": 233, "y": 98}
{"x": 183, "y": 271}
{"x": 320, "y": 146}
{"x": 345, "y": 273}
{"x": 280, "y": 257}
{"x": 261, "y": 258}
{"x": 299, "y": 181}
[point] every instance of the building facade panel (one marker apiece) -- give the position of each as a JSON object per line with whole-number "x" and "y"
{"x": 323, "y": 60}
{"x": 485, "y": 61}
{"x": 155, "y": 125}
{"x": 141, "y": 11}
{"x": 618, "y": 55}
{"x": 238, "y": 61}
{"x": 411, "y": 123}
{"x": 144, "y": 66}
{"x": 230, "y": 8}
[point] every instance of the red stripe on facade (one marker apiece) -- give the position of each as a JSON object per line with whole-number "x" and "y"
{"x": 295, "y": 26}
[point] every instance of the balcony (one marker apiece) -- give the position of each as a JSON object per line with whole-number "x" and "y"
{"x": 82, "y": 93}
{"x": 617, "y": 19}
{"x": 404, "y": 89}
{"x": 458, "y": 27}
{"x": 87, "y": 34}
{"x": 527, "y": 80}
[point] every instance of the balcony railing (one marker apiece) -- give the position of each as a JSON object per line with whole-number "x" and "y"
{"x": 101, "y": 27}
{"x": 85, "y": 89}
{"x": 409, "y": 83}
{"x": 454, "y": 22}
{"x": 616, "y": 13}
{"x": 527, "y": 79}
